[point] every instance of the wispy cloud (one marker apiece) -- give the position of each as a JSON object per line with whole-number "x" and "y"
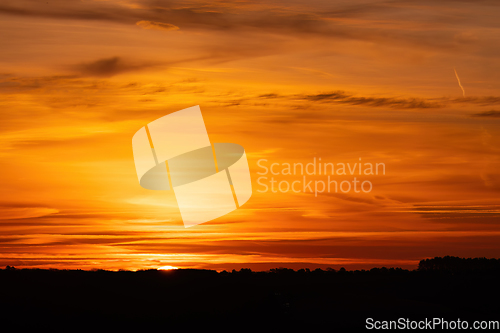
{"x": 157, "y": 26}
{"x": 478, "y": 100}
{"x": 332, "y": 20}
{"x": 392, "y": 102}
{"x": 109, "y": 67}
{"x": 488, "y": 114}
{"x": 343, "y": 97}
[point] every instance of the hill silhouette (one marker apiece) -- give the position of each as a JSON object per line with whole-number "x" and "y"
{"x": 281, "y": 298}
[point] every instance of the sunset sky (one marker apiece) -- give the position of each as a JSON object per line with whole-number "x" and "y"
{"x": 290, "y": 81}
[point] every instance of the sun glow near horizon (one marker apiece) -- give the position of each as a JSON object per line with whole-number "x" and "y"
{"x": 167, "y": 268}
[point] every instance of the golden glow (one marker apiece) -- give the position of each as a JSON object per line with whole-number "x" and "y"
{"x": 167, "y": 268}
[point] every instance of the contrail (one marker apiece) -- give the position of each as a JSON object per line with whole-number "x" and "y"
{"x": 463, "y": 91}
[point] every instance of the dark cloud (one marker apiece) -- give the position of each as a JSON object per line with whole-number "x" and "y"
{"x": 330, "y": 96}
{"x": 479, "y": 100}
{"x": 269, "y": 96}
{"x": 486, "y": 214}
{"x": 399, "y": 103}
{"x": 343, "y": 97}
{"x": 16, "y": 84}
{"x": 199, "y": 14}
{"x": 27, "y": 205}
{"x": 60, "y": 9}
{"x": 150, "y": 25}
{"x": 109, "y": 67}
{"x": 383, "y": 19}
{"x": 488, "y": 114}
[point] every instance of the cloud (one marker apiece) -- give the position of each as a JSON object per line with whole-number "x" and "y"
{"x": 11, "y": 211}
{"x": 343, "y": 21}
{"x": 269, "y": 96}
{"x": 392, "y": 102}
{"x": 479, "y": 100}
{"x": 457, "y": 214}
{"x": 157, "y": 26}
{"x": 488, "y": 114}
{"x": 109, "y": 67}
{"x": 342, "y": 97}
{"x": 61, "y": 9}
{"x": 16, "y": 84}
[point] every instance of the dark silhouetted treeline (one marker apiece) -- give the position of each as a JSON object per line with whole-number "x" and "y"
{"x": 280, "y": 299}
{"x": 459, "y": 265}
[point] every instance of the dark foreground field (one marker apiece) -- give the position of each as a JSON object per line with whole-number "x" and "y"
{"x": 280, "y": 299}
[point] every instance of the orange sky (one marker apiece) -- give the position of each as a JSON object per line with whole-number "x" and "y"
{"x": 288, "y": 80}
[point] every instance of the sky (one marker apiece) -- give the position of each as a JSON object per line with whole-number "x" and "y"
{"x": 410, "y": 84}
